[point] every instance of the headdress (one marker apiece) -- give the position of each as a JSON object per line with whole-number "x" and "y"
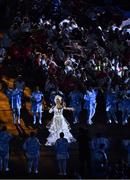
{"x": 57, "y": 97}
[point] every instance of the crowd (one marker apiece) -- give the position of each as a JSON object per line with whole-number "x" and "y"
{"x": 76, "y": 53}
{"x": 80, "y": 60}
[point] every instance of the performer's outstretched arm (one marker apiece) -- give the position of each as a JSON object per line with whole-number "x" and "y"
{"x": 51, "y": 109}
{"x": 68, "y": 108}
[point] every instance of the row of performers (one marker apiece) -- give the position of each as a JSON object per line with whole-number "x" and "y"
{"x": 115, "y": 101}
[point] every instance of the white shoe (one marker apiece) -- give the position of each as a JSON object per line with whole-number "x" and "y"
{"x": 40, "y": 122}
{"x": 36, "y": 171}
{"x": 109, "y": 121}
{"x": 89, "y": 122}
{"x": 34, "y": 122}
{"x": 75, "y": 122}
{"x": 19, "y": 121}
{"x": 116, "y": 122}
{"x": 7, "y": 169}
{"x": 124, "y": 122}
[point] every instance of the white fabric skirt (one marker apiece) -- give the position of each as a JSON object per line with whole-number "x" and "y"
{"x": 58, "y": 125}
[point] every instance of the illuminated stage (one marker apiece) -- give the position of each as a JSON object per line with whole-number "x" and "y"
{"x": 48, "y": 168}
{"x": 17, "y": 164}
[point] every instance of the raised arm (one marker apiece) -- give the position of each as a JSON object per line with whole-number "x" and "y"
{"x": 51, "y": 109}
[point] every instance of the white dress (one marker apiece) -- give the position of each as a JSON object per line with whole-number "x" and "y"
{"x": 58, "y": 125}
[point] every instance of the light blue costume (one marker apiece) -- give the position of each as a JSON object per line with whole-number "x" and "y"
{"x": 99, "y": 164}
{"x": 95, "y": 143}
{"x": 90, "y": 104}
{"x": 15, "y": 99}
{"x": 36, "y": 102}
{"x": 124, "y": 106}
{"x": 4, "y": 150}
{"x": 95, "y": 147}
{"x": 32, "y": 149}
{"x": 62, "y": 155}
{"x": 111, "y": 100}
{"x": 76, "y": 98}
{"x": 126, "y": 145}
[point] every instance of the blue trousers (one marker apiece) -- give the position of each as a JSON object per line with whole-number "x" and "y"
{"x": 111, "y": 114}
{"x": 4, "y": 159}
{"x": 76, "y": 114}
{"x": 62, "y": 165}
{"x": 91, "y": 112}
{"x": 33, "y": 162}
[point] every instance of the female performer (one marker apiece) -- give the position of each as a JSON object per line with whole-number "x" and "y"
{"x": 59, "y": 123}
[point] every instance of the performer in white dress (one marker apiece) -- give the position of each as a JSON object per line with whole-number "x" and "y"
{"x": 59, "y": 123}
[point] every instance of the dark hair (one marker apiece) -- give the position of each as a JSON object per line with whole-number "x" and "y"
{"x": 101, "y": 146}
{"x": 98, "y": 135}
{"x": 61, "y": 135}
{"x": 32, "y": 134}
{"x": 4, "y": 128}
